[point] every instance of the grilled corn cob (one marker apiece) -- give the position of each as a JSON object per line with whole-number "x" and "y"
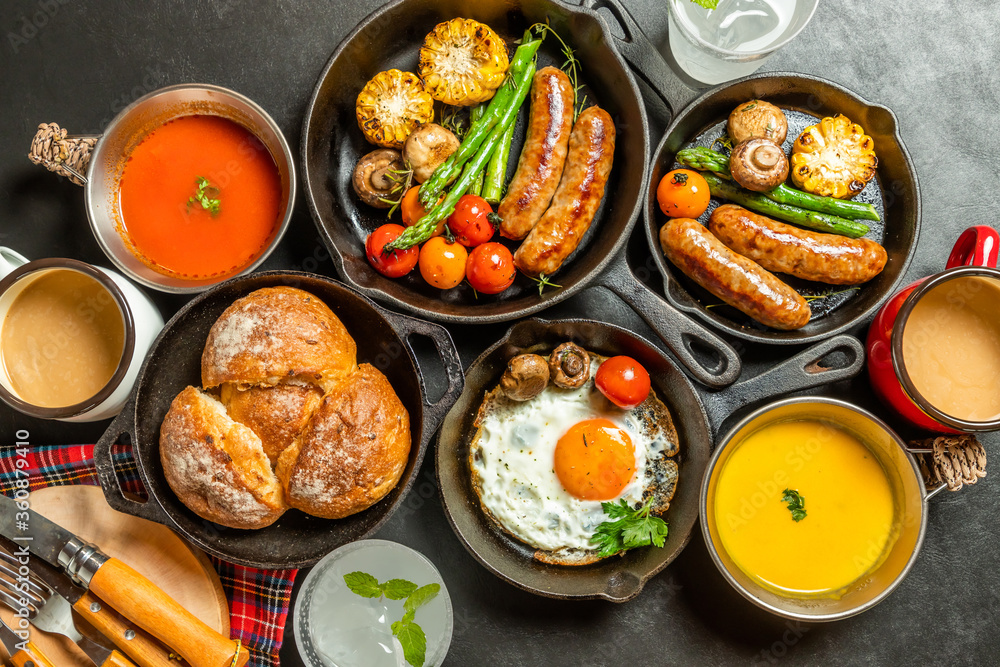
{"x": 833, "y": 158}
{"x": 462, "y": 62}
{"x": 392, "y": 105}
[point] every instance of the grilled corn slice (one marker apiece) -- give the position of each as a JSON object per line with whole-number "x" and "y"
{"x": 463, "y": 62}
{"x": 392, "y": 105}
{"x": 833, "y": 158}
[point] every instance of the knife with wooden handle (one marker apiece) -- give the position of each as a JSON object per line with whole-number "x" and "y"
{"x": 138, "y": 644}
{"x": 117, "y": 584}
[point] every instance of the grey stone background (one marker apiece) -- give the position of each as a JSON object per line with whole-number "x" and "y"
{"x": 934, "y": 63}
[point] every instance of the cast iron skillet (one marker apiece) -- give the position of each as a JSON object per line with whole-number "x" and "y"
{"x": 332, "y": 143}
{"x": 697, "y": 417}
{"x": 894, "y": 192}
{"x": 174, "y": 361}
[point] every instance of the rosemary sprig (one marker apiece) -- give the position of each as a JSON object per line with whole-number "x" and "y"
{"x": 571, "y": 66}
{"x": 403, "y": 179}
{"x": 544, "y": 281}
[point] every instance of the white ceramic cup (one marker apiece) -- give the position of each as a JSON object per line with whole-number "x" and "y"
{"x": 140, "y": 317}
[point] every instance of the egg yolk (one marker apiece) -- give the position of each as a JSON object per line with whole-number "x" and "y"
{"x": 595, "y": 460}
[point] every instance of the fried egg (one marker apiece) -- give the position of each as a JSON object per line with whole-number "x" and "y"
{"x": 543, "y": 467}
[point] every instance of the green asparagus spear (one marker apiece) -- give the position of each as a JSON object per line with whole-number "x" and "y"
{"x": 756, "y": 201}
{"x": 475, "y": 114}
{"x": 424, "y": 228}
{"x": 502, "y": 101}
{"x": 705, "y": 159}
{"x": 496, "y": 170}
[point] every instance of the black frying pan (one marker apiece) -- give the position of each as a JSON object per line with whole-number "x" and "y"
{"x": 332, "y": 143}
{"x": 174, "y": 361}
{"x": 697, "y": 417}
{"x": 805, "y": 99}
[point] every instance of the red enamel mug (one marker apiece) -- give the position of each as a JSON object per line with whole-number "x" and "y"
{"x": 934, "y": 348}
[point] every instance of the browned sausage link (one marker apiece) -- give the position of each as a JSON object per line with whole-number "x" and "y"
{"x": 733, "y": 278}
{"x": 588, "y": 165}
{"x": 550, "y": 121}
{"x": 826, "y": 258}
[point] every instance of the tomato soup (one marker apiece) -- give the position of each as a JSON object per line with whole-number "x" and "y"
{"x": 804, "y": 508}
{"x": 200, "y": 198}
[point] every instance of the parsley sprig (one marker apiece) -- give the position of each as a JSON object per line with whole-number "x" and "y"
{"x": 410, "y": 635}
{"x": 796, "y": 504}
{"x": 630, "y": 528}
{"x": 206, "y": 195}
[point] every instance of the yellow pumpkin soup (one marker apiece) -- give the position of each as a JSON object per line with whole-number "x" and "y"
{"x": 804, "y": 508}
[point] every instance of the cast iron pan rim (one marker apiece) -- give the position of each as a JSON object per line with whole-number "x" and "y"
{"x": 701, "y": 415}
{"x": 587, "y": 280}
{"x": 773, "y": 336}
{"x": 141, "y": 454}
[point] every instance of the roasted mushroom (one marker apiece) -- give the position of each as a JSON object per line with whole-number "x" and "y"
{"x": 758, "y": 164}
{"x": 427, "y": 147}
{"x": 526, "y": 376}
{"x": 373, "y": 178}
{"x": 569, "y": 366}
{"x": 757, "y": 118}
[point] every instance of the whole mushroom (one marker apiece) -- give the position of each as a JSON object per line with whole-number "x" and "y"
{"x": 757, "y": 118}
{"x": 758, "y": 164}
{"x": 427, "y": 147}
{"x": 373, "y": 176}
{"x": 526, "y": 376}
{"x": 569, "y": 366}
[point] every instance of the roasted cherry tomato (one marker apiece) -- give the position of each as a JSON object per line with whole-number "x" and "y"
{"x": 490, "y": 268}
{"x": 470, "y": 223}
{"x": 393, "y": 264}
{"x": 442, "y": 263}
{"x": 683, "y": 193}
{"x": 623, "y": 380}
{"x": 413, "y": 210}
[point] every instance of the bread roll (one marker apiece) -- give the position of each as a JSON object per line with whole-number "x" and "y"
{"x": 276, "y": 414}
{"x": 353, "y": 450}
{"x": 216, "y": 466}
{"x": 277, "y": 334}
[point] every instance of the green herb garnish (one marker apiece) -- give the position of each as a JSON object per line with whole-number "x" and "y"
{"x": 410, "y": 635}
{"x": 707, "y": 4}
{"x": 796, "y": 504}
{"x": 204, "y": 196}
{"x": 544, "y": 281}
{"x": 571, "y": 66}
{"x": 630, "y": 529}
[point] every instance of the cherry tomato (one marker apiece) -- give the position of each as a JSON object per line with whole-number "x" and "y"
{"x": 490, "y": 268}
{"x": 470, "y": 223}
{"x": 396, "y": 263}
{"x": 623, "y": 380}
{"x": 413, "y": 210}
{"x": 683, "y": 193}
{"x": 442, "y": 264}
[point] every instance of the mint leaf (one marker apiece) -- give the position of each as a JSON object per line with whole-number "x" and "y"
{"x": 408, "y": 616}
{"x": 707, "y": 4}
{"x": 363, "y": 584}
{"x": 411, "y": 638}
{"x": 421, "y": 596}
{"x": 397, "y": 589}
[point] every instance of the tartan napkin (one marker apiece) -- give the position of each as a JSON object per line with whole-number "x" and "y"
{"x": 258, "y": 599}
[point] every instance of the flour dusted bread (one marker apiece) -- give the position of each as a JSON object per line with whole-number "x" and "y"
{"x": 216, "y": 466}
{"x": 353, "y": 450}
{"x": 276, "y": 414}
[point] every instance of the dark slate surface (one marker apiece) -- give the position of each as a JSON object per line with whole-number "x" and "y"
{"x": 933, "y": 63}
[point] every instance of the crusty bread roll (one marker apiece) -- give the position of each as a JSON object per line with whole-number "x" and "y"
{"x": 276, "y": 414}
{"x": 216, "y": 466}
{"x": 353, "y": 450}
{"x": 277, "y": 334}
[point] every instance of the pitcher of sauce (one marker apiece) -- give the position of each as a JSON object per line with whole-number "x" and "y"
{"x": 934, "y": 348}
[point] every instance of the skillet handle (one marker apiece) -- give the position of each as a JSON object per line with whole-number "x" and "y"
{"x": 646, "y": 61}
{"x": 677, "y": 330}
{"x": 114, "y": 493}
{"x": 406, "y": 326}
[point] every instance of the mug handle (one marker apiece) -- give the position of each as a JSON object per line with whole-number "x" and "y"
{"x": 10, "y": 260}
{"x": 977, "y": 246}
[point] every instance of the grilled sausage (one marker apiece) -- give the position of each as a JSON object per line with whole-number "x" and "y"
{"x": 825, "y": 258}
{"x": 550, "y": 121}
{"x": 733, "y": 278}
{"x": 588, "y": 165}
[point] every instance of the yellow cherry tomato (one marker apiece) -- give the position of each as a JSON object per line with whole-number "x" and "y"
{"x": 442, "y": 264}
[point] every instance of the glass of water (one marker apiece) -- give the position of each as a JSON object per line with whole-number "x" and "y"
{"x": 736, "y": 38}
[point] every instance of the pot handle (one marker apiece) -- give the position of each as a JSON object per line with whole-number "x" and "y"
{"x": 645, "y": 59}
{"x": 977, "y": 246}
{"x": 61, "y": 153}
{"x": 114, "y": 493}
{"x": 406, "y": 326}
{"x": 949, "y": 462}
{"x": 680, "y": 333}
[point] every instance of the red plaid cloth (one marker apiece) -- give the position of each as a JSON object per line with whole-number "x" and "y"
{"x": 258, "y": 599}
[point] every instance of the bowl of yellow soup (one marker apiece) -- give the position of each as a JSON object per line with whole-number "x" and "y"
{"x": 813, "y": 509}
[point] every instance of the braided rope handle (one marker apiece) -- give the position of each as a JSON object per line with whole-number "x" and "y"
{"x": 954, "y": 460}
{"x": 64, "y": 156}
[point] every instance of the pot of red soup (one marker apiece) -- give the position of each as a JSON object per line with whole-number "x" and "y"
{"x": 188, "y": 186}
{"x": 814, "y": 509}
{"x": 934, "y": 349}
